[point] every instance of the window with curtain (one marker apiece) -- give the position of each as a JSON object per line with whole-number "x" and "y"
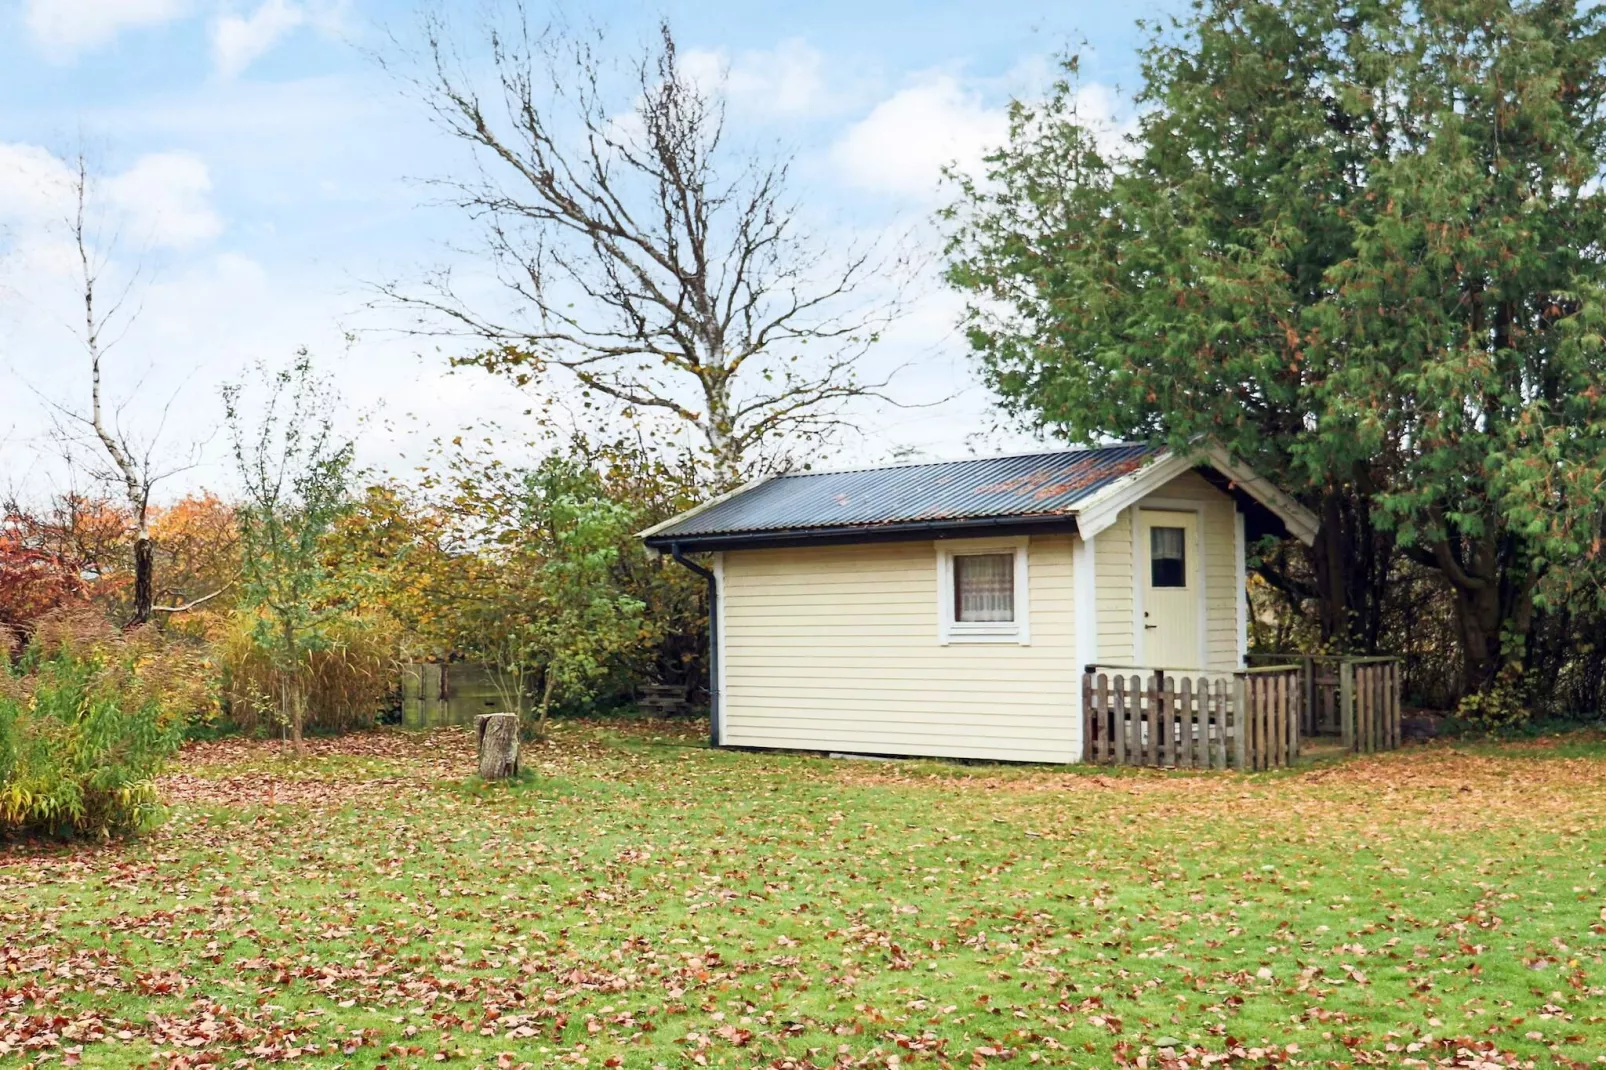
{"x": 1168, "y": 557}
{"x": 984, "y": 587}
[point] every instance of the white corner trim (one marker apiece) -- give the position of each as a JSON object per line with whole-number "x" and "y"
{"x": 950, "y": 631}
{"x": 721, "y": 627}
{"x": 709, "y": 504}
{"x": 1240, "y": 551}
{"x": 1084, "y": 568}
{"x": 1200, "y": 570}
{"x": 1140, "y": 557}
{"x": 1084, "y": 578}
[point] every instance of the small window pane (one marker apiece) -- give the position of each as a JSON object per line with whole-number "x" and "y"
{"x": 984, "y": 587}
{"x": 1168, "y": 557}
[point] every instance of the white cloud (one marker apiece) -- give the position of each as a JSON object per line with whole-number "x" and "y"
{"x": 788, "y": 80}
{"x": 64, "y": 28}
{"x": 162, "y": 199}
{"x": 240, "y": 40}
{"x": 166, "y": 199}
{"x": 902, "y": 146}
{"x": 33, "y": 184}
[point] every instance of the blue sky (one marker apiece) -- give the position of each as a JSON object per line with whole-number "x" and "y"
{"x": 259, "y": 171}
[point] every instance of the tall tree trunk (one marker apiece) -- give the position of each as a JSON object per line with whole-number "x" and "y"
{"x": 546, "y": 704}
{"x": 725, "y": 453}
{"x": 1493, "y": 605}
{"x": 292, "y": 692}
{"x": 298, "y": 715}
{"x": 144, "y": 573}
{"x": 1330, "y": 557}
{"x": 1477, "y": 618}
{"x": 1352, "y": 562}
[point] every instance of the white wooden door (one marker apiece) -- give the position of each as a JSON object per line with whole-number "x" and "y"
{"x": 1168, "y": 552}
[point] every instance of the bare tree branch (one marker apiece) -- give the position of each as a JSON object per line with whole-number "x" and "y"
{"x": 193, "y": 603}
{"x": 657, "y": 266}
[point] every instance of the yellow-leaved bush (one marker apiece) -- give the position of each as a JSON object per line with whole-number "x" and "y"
{"x": 88, "y": 717}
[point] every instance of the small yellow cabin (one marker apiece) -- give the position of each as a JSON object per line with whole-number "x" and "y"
{"x": 950, "y": 609}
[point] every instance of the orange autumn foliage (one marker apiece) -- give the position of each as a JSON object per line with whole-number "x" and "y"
{"x": 57, "y": 557}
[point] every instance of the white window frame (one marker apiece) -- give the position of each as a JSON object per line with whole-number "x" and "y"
{"x": 951, "y": 631}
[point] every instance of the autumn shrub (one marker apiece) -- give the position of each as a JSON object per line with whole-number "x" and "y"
{"x": 176, "y": 671}
{"x": 1502, "y": 707}
{"x": 348, "y": 680}
{"x": 87, "y": 719}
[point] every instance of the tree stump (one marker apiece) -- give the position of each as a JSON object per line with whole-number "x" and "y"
{"x": 498, "y": 745}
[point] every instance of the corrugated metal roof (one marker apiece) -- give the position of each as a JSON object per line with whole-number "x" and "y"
{"x": 1038, "y": 484}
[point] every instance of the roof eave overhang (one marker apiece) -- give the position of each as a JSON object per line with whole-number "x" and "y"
{"x": 649, "y": 533}
{"x": 900, "y": 531}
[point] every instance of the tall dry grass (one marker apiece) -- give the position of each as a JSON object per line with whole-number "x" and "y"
{"x": 348, "y": 683}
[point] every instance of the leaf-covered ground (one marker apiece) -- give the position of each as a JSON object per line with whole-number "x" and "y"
{"x": 639, "y": 900}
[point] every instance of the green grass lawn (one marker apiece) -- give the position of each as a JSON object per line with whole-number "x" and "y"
{"x": 639, "y": 900}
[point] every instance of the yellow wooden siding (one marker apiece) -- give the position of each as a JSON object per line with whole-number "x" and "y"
{"x": 1112, "y": 564}
{"x": 1114, "y": 561}
{"x": 836, "y": 648}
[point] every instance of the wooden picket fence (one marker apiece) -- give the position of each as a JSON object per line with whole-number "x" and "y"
{"x": 1247, "y": 721}
{"x": 1352, "y": 697}
{"x": 1369, "y": 704}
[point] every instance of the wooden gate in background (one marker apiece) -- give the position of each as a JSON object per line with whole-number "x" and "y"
{"x": 435, "y": 694}
{"x": 1369, "y": 704}
{"x": 1354, "y": 698}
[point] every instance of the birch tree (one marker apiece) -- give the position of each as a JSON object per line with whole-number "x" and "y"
{"x": 131, "y": 463}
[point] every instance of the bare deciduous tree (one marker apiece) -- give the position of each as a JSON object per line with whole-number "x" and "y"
{"x": 125, "y": 463}
{"x": 663, "y": 268}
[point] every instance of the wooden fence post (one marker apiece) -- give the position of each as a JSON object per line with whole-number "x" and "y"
{"x": 1362, "y": 707}
{"x": 1399, "y": 711}
{"x": 1184, "y": 747}
{"x": 1150, "y": 719}
{"x": 1118, "y": 719}
{"x": 1374, "y": 708}
{"x": 1088, "y": 752}
{"x": 1103, "y": 701}
{"x": 1307, "y": 679}
{"x": 1218, "y": 707}
{"x": 1296, "y": 723}
{"x": 1346, "y": 702}
{"x": 1240, "y": 709}
{"x": 1277, "y": 752}
{"x": 1385, "y": 707}
{"x": 1268, "y": 704}
{"x": 1373, "y": 712}
{"x": 1134, "y": 713}
{"x": 1252, "y": 709}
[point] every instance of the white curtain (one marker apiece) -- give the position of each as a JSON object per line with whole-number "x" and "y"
{"x": 984, "y": 586}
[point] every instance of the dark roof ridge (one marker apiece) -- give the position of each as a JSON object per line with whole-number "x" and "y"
{"x": 896, "y": 465}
